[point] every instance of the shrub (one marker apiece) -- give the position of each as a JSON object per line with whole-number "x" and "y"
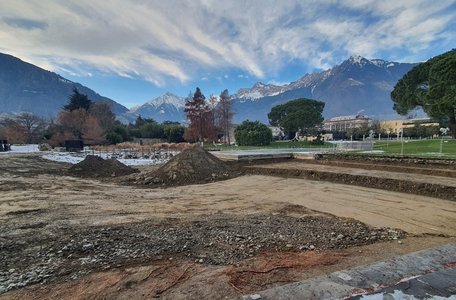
{"x": 250, "y": 133}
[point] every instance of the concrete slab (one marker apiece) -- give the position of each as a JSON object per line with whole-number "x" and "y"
{"x": 429, "y": 272}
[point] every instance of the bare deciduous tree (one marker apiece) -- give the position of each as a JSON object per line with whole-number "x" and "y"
{"x": 24, "y": 128}
{"x": 199, "y": 115}
{"x": 225, "y": 115}
{"x": 103, "y": 113}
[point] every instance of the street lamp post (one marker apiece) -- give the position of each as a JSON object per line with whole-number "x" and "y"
{"x": 444, "y": 131}
{"x": 387, "y": 138}
{"x": 371, "y": 137}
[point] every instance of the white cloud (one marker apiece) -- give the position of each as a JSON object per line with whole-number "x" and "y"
{"x": 177, "y": 40}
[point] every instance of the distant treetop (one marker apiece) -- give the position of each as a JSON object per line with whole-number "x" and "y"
{"x": 77, "y": 101}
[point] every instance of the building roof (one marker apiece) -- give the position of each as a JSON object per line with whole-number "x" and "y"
{"x": 347, "y": 118}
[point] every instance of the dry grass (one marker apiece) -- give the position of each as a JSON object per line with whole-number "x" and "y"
{"x": 145, "y": 148}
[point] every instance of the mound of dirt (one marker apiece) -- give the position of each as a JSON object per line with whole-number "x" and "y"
{"x": 191, "y": 166}
{"x": 95, "y": 166}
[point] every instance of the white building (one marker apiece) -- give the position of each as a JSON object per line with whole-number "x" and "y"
{"x": 343, "y": 123}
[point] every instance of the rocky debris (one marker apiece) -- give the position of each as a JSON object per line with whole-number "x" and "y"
{"x": 191, "y": 166}
{"x": 44, "y": 147}
{"x": 71, "y": 252}
{"x": 95, "y": 166}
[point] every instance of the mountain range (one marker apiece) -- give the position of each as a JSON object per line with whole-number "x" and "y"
{"x": 357, "y": 85}
{"x": 167, "y": 107}
{"x": 27, "y": 88}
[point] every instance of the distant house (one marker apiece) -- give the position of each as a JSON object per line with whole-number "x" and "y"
{"x": 344, "y": 123}
{"x": 395, "y": 126}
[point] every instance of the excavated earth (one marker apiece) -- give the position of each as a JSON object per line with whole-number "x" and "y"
{"x": 63, "y": 237}
{"x": 191, "y": 166}
{"x": 95, "y": 166}
{"x": 434, "y": 178}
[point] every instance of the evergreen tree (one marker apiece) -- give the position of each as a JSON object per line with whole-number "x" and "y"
{"x": 297, "y": 115}
{"x": 431, "y": 86}
{"x": 77, "y": 101}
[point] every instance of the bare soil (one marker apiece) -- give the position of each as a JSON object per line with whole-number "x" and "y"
{"x": 95, "y": 166}
{"x": 191, "y": 166}
{"x": 63, "y": 236}
{"x": 415, "y": 180}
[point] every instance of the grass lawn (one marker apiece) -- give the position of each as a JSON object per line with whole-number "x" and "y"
{"x": 273, "y": 145}
{"x": 418, "y": 147}
{"x": 422, "y": 148}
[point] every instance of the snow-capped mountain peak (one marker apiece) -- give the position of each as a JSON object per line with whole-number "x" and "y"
{"x": 168, "y": 98}
{"x": 167, "y": 107}
{"x": 358, "y": 60}
{"x": 259, "y": 90}
{"x": 356, "y": 83}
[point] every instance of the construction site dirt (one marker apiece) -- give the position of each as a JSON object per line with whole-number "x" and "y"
{"x": 63, "y": 237}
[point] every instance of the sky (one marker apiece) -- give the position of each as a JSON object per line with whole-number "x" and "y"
{"x": 134, "y": 50}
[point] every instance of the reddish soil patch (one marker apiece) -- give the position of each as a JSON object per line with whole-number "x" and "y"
{"x": 272, "y": 269}
{"x": 182, "y": 279}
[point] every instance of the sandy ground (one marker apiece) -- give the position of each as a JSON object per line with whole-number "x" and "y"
{"x": 77, "y": 201}
{"x": 68, "y": 201}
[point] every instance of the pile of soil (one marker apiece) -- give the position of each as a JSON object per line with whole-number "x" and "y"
{"x": 95, "y": 166}
{"x": 191, "y": 166}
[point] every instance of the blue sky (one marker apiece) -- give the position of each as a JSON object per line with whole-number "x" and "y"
{"x": 133, "y": 50}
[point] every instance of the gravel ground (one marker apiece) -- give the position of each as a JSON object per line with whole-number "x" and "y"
{"x": 69, "y": 253}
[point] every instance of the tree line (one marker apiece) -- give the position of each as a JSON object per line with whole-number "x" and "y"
{"x": 208, "y": 120}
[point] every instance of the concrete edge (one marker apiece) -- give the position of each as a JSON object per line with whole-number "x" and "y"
{"x": 365, "y": 279}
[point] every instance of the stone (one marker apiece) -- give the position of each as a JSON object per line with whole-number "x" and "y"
{"x": 255, "y": 297}
{"x": 87, "y": 246}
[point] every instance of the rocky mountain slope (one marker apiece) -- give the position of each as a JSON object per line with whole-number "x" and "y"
{"x": 356, "y": 85}
{"x": 167, "y": 107}
{"x": 26, "y": 87}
